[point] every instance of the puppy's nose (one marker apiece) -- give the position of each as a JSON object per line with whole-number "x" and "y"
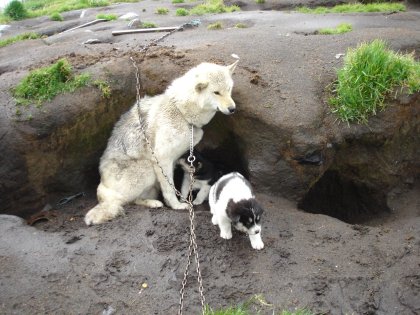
{"x": 231, "y": 109}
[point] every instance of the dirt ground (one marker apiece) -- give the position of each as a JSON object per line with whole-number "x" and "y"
{"x": 135, "y": 264}
{"x": 61, "y": 266}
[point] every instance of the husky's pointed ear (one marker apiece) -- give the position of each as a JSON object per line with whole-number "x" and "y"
{"x": 201, "y": 86}
{"x": 232, "y": 67}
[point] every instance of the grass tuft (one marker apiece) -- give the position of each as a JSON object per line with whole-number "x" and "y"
{"x": 15, "y": 10}
{"x": 237, "y": 310}
{"x": 25, "y": 36}
{"x": 215, "y": 26}
{"x": 182, "y": 12}
{"x": 104, "y": 87}
{"x": 178, "y": 1}
{"x": 356, "y": 8}
{"x": 297, "y": 312}
{"x": 213, "y": 6}
{"x": 162, "y": 11}
{"x": 370, "y": 73}
{"x": 37, "y": 8}
{"x": 45, "y": 83}
{"x": 108, "y": 17}
{"x": 340, "y": 29}
{"x": 148, "y": 25}
{"x": 56, "y": 17}
{"x": 241, "y": 25}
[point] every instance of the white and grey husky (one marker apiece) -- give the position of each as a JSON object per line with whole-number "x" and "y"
{"x": 128, "y": 170}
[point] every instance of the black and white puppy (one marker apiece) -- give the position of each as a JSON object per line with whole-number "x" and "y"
{"x": 205, "y": 175}
{"x": 233, "y": 203}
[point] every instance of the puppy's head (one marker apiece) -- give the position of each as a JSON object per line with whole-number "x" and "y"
{"x": 245, "y": 215}
{"x": 204, "y": 169}
{"x": 199, "y": 162}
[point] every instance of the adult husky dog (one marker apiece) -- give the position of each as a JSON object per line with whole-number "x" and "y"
{"x": 128, "y": 170}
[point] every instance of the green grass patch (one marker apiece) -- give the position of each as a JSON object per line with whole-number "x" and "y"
{"x": 254, "y": 305}
{"x": 215, "y": 26}
{"x": 56, "y": 17}
{"x": 356, "y": 8}
{"x": 182, "y": 12}
{"x": 260, "y": 1}
{"x": 340, "y": 29}
{"x": 45, "y": 83}
{"x": 108, "y": 17}
{"x": 148, "y": 25}
{"x": 162, "y": 11}
{"x": 243, "y": 309}
{"x": 371, "y": 73}
{"x": 25, "y": 36}
{"x": 241, "y": 25}
{"x": 213, "y": 6}
{"x": 178, "y": 1}
{"x": 104, "y": 87}
{"x": 237, "y": 310}
{"x": 15, "y": 10}
{"x": 37, "y": 8}
{"x": 297, "y": 312}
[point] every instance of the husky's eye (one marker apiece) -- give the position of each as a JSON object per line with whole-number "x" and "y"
{"x": 216, "y": 92}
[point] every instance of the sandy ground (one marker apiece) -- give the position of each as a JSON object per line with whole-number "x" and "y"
{"x": 61, "y": 266}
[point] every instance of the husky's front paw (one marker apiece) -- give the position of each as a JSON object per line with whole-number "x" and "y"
{"x": 256, "y": 242}
{"x": 150, "y": 203}
{"x": 98, "y": 215}
{"x": 227, "y": 235}
{"x": 197, "y": 202}
{"x": 180, "y": 206}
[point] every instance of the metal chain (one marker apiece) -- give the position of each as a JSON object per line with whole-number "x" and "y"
{"x": 192, "y": 248}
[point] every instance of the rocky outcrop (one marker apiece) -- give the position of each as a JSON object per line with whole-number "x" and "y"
{"x": 344, "y": 171}
{"x": 57, "y": 147}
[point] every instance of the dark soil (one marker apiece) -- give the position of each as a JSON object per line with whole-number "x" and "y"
{"x": 135, "y": 264}
{"x": 61, "y": 266}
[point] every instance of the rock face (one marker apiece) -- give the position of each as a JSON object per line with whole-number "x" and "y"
{"x": 58, "y": 148}
{"x": 283, "y": 137}
{"x": 345, "y": 172}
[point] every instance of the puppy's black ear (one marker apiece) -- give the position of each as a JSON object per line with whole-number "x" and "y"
{"x": 232, "y": 211}
{"x": 258, "y": 209}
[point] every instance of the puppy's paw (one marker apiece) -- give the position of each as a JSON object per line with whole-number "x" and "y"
{"x": 227, "y": 235}
{"x": 214, "y": 220}
{"x": 257, "y": 245}
{"x": 256, "y": 242}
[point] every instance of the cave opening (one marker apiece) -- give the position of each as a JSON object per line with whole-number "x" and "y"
{"x": 344, "y": 199}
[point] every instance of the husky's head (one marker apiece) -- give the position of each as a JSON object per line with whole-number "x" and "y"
{"x": 214, "y": 87}
{"x": 245, "y": 215}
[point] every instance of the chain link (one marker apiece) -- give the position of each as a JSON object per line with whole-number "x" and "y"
{"x": 192, "y": 248}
